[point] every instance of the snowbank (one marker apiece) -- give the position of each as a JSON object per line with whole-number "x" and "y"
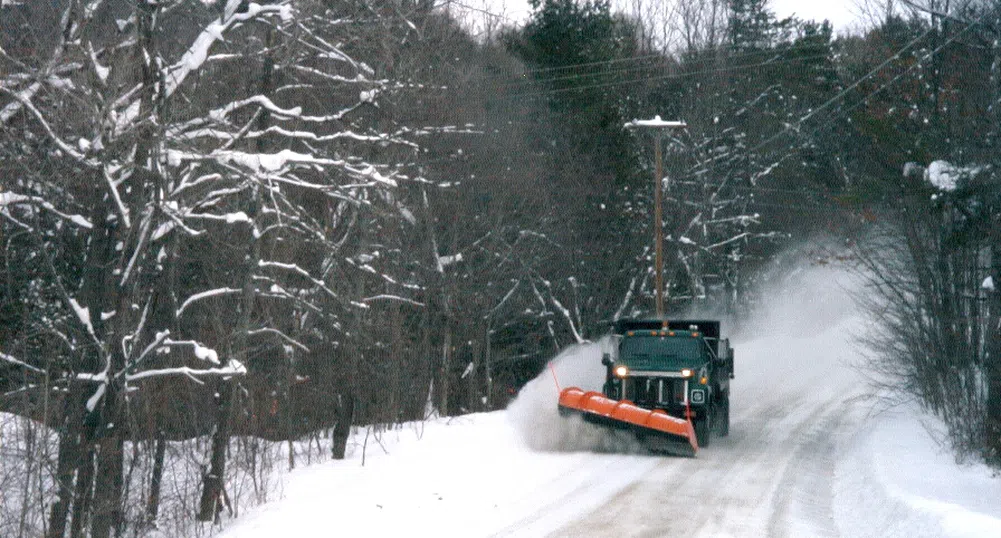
{"x": 461, "y": 477}
{"x": 897, "y": 481}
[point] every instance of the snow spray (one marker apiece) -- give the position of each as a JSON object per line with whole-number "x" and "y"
{"x": 803, "y": 338}
{"x": 534, "y": 411}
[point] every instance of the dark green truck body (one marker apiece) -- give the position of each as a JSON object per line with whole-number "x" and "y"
{"x": 682, "y": 367}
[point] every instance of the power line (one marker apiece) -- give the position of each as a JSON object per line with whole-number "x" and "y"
{"x": 664, "y": 65}
{"x": 893, "y": 80}
{"x": 666, "y": 57}
{"x": 843, "y": 113}
{"x": 542, "y": 93}
{"x": 868, "y": 75}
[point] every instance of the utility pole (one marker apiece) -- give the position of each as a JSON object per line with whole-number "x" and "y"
{"x": 659, "y": 126}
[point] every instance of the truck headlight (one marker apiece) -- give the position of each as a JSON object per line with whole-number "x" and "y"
{"x": 687, "y": 372}
{"x": 621, "y": 371}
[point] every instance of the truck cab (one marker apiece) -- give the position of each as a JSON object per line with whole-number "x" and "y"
{"x": 679, "y": 366}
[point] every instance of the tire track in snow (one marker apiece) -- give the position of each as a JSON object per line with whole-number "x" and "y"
{"x": 604, "y": 473}
{"x": 739, "y": 486}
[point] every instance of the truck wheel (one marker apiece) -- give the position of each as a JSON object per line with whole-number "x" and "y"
{"x": 724, "y": 423}
{"x": 703, "y": 427}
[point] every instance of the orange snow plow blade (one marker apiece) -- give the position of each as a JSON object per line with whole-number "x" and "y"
{"x": 657, "y": 430}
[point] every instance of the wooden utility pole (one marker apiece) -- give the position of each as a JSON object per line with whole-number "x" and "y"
{"x": 658, "y": 216}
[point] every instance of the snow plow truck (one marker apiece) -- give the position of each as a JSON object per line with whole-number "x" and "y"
{"x": 668, "y": 384}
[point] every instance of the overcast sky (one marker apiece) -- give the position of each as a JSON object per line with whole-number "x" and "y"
{"x": 841, "y": 13}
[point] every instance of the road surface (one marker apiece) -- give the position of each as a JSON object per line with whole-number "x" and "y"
{"x": 798, "y": 403}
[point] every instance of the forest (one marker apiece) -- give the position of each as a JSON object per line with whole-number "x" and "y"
{"x": 227, "y": 226}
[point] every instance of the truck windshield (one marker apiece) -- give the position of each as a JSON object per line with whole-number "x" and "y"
{"x": 660, "y": 349}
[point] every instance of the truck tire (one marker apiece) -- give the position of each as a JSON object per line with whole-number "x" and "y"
{"x": 704, "y": 426}
{"x": 724, "y": 423}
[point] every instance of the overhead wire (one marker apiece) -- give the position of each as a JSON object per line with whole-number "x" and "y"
{"x": 664, "y": 65}
{"x": 629, "y": 65}
{"x": 661, "y": 56}
{"x": 553, "y": 91}
{"x": 865, "y": 77}
{"x": 797, "y": 126}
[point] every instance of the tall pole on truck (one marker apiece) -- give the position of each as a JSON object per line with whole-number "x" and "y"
{"x": 659, "y": 126}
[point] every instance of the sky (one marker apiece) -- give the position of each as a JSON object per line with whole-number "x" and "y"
{"x": 841, "y": 13}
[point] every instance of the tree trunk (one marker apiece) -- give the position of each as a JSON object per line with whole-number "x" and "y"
{"x": 153, "y": 505}
{"x": 345, "y": 416}
{"x": 443, "y": 381}
{"x": 992, "y": 423}
{"x": 487, "y": 373}
{"x": 993, "y": 359}
{"x": 108, "y": 485}
{"x": 69, "y": 459}
{"x": 394, "y": 410}
{"x": 473, "y": 392}
{"x": 68, "y": 450}
{"x": 84, "y": 480}
{"x": 214, "y": 479}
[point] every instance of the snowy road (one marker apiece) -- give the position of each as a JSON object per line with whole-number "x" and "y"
{"x": 772, "y": 477}
{"x": 808, "y": 455}
{"x": 797, "y": 406}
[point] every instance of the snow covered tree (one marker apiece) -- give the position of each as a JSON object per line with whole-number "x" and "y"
{"x": 189, "y": 201}
{"x": 933, "y": 263}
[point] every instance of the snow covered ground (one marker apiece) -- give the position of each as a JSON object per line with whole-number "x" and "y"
{"x": 914, "y": 485}
{"x": 474, "y": 475}
{"x": 808, "y": 455}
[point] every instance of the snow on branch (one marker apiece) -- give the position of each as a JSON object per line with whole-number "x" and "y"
{"x": 83, "y": 314}
{"x": 386, "y": 297}
{"x": 741, "y": 220}
{"x": 298, "y": 135}
{"x": 198, "y": 52}
{"x": 274, "y": 162}
{"x": 279, "y": 334}
{"x": 334, "y": 52}
{"x": 335, "y": 78}
{"x": 343, "y": 135}
{"x": 232, "y": 369}
{"x": 626, "y": 300}
{"x": 25, "y": 101}
{"x": 229, "y": 218}
{"x": 202, "y": 352}
{"x": 157, "y": 341}
{"x": 445, "y": 261}
{"x": 733, "y": 239}
{"x": 656, "y": 122}
{"x": 205, "y": 295}
{"x": 504, "y": 300}
{"x": 14, "y": 106}
{"x": 13, "y": 360}
{"x": 300, "y": 271}
{"x": 122, "y": 210}
{"x": 10, "y": 198}
{"x": 220, "y": 114}
{"x": 566, "y": 314}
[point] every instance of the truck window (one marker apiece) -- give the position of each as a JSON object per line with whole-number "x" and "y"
{"x": 661, "y": 347}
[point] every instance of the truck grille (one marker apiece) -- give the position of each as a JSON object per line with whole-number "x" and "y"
{"x": 653, "y": 391}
